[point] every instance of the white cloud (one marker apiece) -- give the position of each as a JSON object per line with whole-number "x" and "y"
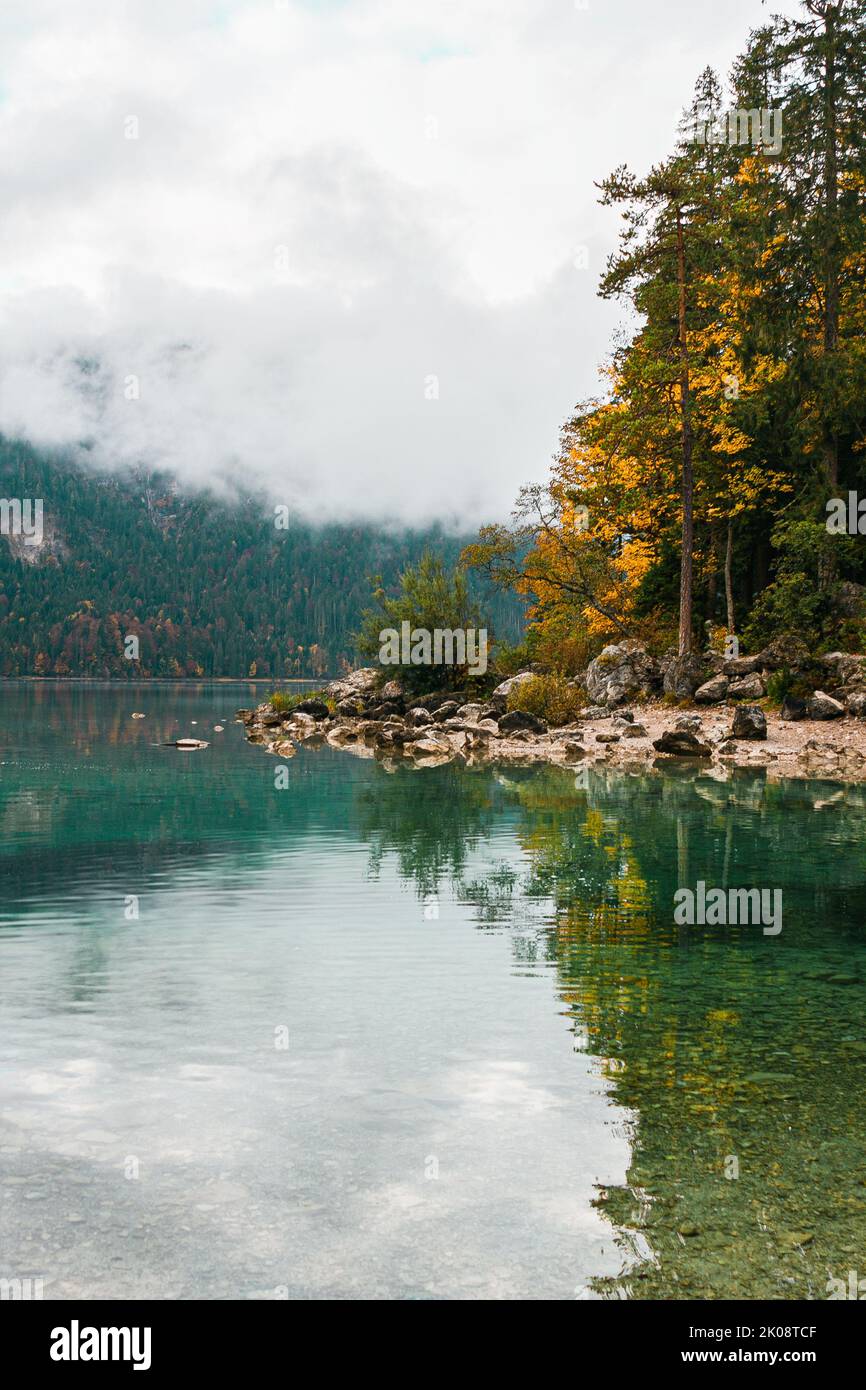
{"x": 327, "y": 204}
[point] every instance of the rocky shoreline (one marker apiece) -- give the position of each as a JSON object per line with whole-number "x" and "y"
{"x": 632, "y": 727}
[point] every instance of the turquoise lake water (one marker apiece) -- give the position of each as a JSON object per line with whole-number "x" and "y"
{"x": 414, "y": 1034}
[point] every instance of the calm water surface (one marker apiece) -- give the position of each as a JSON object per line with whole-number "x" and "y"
{"x": 403, "y": 1034}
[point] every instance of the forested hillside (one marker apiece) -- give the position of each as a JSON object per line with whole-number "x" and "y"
{"x": 209, "y": 587}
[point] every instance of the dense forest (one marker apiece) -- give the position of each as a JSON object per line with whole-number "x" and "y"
{"x": 209, "y": 586}
{"x": 714, "y": 487}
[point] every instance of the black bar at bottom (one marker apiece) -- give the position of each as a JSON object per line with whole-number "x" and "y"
{"x": 164, "y": 1339}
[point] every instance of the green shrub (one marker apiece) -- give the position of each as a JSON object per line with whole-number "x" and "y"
{"x": 779, "y": 685}
{"x": 799, "y": 684}
{"x": 799, "y": 598}
{"x": 548, "y": 697}
{"x": 284, "y": 702}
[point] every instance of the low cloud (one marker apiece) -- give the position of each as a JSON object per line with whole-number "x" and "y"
{"x": 346, "y": 251}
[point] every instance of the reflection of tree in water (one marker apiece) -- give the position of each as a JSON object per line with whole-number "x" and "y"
{"x": 735, "y": 1052}
{"x": 430, "y": 818}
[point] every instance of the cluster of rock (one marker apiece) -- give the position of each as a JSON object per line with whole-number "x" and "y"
{"x": 430, "y": 728}
{"x": 625, "y": 671}
{"x": 684, "y": 740}
{"x": 358, "y": 715}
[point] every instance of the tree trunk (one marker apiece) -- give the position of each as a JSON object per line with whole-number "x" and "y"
{"x": 729, "y": 579}
{"x": 686, "y": 561}
{"x": 832, "y": 253}
{"x": 713, "y": 578}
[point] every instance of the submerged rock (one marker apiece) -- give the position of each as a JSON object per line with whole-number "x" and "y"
{"x": 342, "y": 734}
{"x": 300, "y": 725}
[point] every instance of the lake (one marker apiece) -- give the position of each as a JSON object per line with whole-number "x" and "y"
{"x": 386, "y": 1033}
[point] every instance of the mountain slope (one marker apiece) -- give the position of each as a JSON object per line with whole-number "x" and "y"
{"x": 208, "y": 587}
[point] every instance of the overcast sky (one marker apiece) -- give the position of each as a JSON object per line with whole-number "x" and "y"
{"x": 331, "y": 213}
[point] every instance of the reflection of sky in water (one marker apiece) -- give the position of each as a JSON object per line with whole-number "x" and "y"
{"x": 412, "y": 1044}
{"x": 579, "y": 1067}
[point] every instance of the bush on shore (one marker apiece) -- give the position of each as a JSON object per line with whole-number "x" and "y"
{"x": 548, "y": 697}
